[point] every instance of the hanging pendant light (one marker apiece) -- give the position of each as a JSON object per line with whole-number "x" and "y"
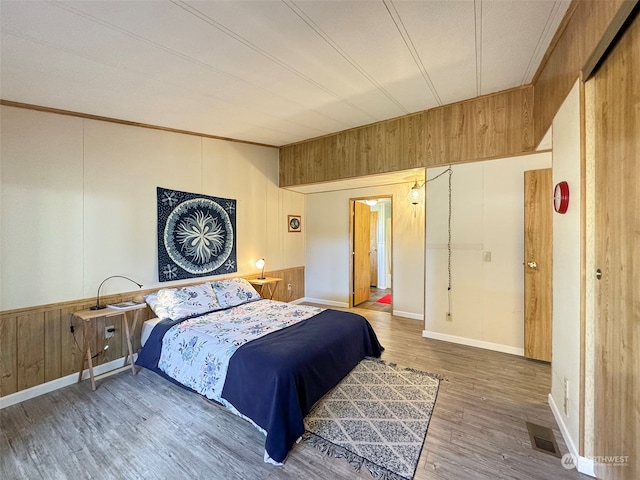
{"x": 416, "y": 194}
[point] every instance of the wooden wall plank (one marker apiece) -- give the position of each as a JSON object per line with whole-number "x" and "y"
{"x": 30, "y": 350}
{"x": 52, "y": 345}
{"x": 293, "y": 276}
{"x": 70, "y": 348}
{"x": 8, "y": 357}
{"x": 488, "y": 127}
{"x": 413, "y": 141}
{"x": 588, "y": 21}
{"x": 481, "y": 128}
{"x": 143, "y": 315}
{"x": 115, "y": 349}
{"x": 97, "y": 339}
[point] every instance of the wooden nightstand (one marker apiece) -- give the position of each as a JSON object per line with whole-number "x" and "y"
{"x": 89, "y": 317}
{"x": 270, "y": 282}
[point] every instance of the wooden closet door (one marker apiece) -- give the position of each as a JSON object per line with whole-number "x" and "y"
{"x": 616, "y": 104}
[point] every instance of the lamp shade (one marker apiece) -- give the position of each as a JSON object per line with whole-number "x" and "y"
{"x": 260, "y": 264}
{"x": 416, "y": 194}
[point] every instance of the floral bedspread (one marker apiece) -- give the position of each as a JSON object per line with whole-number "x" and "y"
{"x": 197, "y": 351}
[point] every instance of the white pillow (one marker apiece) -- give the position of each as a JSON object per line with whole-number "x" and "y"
{"x": 160, "y": 311}
{"x": 186, "y": 302}
{"x": 234, "y": 292}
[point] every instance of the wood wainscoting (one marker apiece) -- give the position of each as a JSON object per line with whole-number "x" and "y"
{"x": 37, "y": 346}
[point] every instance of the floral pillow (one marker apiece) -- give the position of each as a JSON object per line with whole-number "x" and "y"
{"x": 160, "y": 310}
{"x": 186, "y": 302}
{"x": 234, "y": 292}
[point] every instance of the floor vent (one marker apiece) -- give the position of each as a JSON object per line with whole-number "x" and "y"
{"x": 542, "y": 439}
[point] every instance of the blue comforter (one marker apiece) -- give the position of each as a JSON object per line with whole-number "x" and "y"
{"x": 275, "y": 380}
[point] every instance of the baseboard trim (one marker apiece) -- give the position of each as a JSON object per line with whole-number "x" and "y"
{"x": 413, "y": 316}
{"x": 583, "y": 464}
{"x": 497, "y": 347}
{"x": 321, "y": 301}
{"x": 100, "y": 370}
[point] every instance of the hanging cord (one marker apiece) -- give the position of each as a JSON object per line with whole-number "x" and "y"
{"x": 449, "y": 243}
{"x": 105, "y": 345}
{"x": 450, "y": 172}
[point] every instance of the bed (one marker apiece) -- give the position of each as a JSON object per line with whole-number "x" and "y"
{"x": 264, "y": 360}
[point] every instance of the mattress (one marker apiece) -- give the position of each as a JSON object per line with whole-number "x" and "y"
{"x": 146, "y": 329}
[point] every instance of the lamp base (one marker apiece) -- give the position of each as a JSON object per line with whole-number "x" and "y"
{"x": 261, "y": 278}
{"x": 97, "y": 307}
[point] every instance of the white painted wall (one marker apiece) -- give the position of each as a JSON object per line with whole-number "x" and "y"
{"x": 42, "y": 208}
{"x": 487, "y": 216}
{"x": 78, "y": 203}
{"x": 327, "y": 247}
{"x": 566, "y": 269}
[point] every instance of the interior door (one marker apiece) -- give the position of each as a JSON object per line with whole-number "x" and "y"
{"x": 614, "y": 96}
{"x": 373, "y": 248}
{"x": 538, "y": 271}
{"x": 361, "y": 242}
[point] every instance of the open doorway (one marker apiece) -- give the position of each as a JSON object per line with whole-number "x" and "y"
{"x": 371, "y": 248}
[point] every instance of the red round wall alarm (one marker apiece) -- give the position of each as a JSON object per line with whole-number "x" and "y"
{"x": 561, "y": 197}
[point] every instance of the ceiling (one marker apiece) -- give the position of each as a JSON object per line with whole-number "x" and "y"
{"x": 271, "y": 72}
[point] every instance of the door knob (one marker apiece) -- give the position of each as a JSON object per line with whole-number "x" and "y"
{"x": 532, "y": 264}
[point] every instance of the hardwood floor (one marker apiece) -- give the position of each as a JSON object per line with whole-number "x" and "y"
{"x": 144, "y": 427}
{"x": 371, "y": 303}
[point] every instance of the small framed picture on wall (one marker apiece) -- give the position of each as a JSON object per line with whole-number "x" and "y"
{"x": 295, "y": 223}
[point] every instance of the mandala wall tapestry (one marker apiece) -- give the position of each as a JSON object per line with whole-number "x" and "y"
{"x": 196, "y": 235}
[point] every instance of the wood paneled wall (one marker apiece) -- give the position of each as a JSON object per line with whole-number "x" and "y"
{"x": 293, "y": 276}
{"x": 36, "y": 345}
{"x": 486, "y": 127}
{"x": 585, "y": 24}
{"x": 491, "y": 126}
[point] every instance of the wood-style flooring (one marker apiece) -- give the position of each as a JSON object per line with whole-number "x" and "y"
{"x": 371, "y": 303}
{"x": 144, "y": 427}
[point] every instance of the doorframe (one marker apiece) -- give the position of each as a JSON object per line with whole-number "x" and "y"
{"x": 352, "y": 202}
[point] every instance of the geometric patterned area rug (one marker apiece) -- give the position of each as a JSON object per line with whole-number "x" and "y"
{"x": 377, "y": 416}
